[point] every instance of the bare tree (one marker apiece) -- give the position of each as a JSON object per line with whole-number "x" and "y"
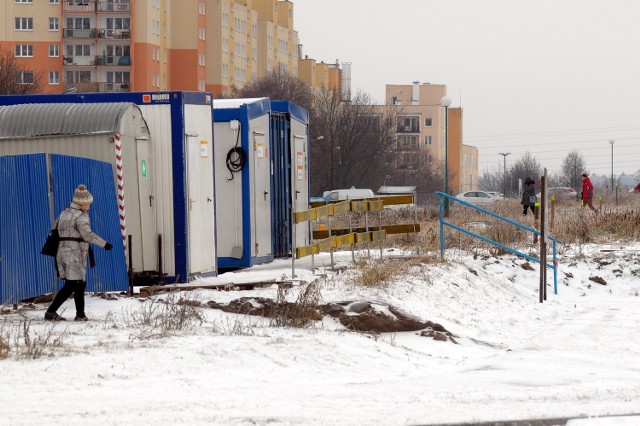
{"x": 15, "y": 79}
{"x": 573, "y": 166}
{"x": 354, "y": 142}
{"x": 278, "y": 85}
{"x": 491, "y": 180}
{"x": 526, "y": 166}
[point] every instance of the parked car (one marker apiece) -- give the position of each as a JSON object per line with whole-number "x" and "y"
{"x": 560, "y": 192}
{"x": 635, "y": 189}
{"x": 476, "y": 197}
{"x": 347, "y": 194}
{"x": 495, "y": 194}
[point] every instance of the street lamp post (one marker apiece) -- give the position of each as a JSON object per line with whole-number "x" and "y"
{"x": 612, "y": 142}
{"x": 445, "y": 101}
{"x": 504, "y": 174}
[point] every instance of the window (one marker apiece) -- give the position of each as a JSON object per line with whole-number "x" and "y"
{"x": 54, "y": 1}
{"x": 54, "y": 51}
{"x": 24, "y": 50}
{"x": 54, "y": 77}
{"x": 427, "y": 140}
{"x": 78, "y": 23}
{"x": 409, "y": 140}
{"x": 24, "y": 1}
{"x": 78, "y": 76}
{"x": 78, "y": 50}
{"x": 428, "y": 122}
{"x": 54, "y": 24}
{"x": 23, "y": 24}
{"x": 24, "y": 77}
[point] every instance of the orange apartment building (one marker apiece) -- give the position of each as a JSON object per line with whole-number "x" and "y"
{"x": 149, "y": 45}
{"x": 421, "y": 134}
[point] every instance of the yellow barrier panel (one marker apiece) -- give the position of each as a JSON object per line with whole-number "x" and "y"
{"x": 341, "y": 207}
{"x": 376, "y": 205}
{"x": 378, "y": 235}
{"x": 307, "y": 251}
{"x": 363, "y": 237}
{"x": 327, "y": 244}
{"x": 359, "y": 206}
{"x": 305, "y": 215}
{"x": 325, "y": 211}
{"x": 405, "y": 228}
{"x": 345, "y": 240}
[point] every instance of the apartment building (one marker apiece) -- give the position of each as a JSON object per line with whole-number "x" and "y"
{"x": 149, "y": 45}
{"x": 422, "y": 124}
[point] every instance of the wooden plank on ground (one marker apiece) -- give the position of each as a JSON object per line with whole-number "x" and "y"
{"x": 150, "y": 290}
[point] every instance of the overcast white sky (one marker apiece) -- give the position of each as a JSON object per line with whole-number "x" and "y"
{"x": 544, "y": 76}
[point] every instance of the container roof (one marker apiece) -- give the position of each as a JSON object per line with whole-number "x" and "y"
{"x": 37, "y": 120}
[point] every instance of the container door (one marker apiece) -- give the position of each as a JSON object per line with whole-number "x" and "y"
{"x": 149, "y": 238}
{"x": 200, "y": 205}
{"x": 261, "y": 214}
{"x": 300, "y": 183}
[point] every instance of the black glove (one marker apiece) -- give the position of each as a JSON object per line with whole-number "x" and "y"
{"x": 108, "y": 246}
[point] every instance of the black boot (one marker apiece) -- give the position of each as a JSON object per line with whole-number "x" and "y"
{"x": 62, "y": 295}
{"x": 78, "y": 298}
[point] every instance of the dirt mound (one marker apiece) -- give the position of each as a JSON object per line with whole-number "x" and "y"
{"x": 360, "y": 315}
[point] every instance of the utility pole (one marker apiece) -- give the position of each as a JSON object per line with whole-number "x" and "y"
{"x": 504, "y": 175}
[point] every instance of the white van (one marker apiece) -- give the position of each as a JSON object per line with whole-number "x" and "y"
{"x": 347, "y": 194}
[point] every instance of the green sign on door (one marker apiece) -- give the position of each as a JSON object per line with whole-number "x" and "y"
{"x": 144, "y": 168}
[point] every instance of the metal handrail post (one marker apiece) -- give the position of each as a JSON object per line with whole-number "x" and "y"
{"x": 441, "y": 214}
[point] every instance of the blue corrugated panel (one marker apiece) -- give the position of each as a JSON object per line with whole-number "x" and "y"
{"x": 24, "y": 225}
{"x": 280, "y": 146}
{"x": 110, "y": 273}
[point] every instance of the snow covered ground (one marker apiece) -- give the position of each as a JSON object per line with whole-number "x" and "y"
{"x": 575, "y": 355}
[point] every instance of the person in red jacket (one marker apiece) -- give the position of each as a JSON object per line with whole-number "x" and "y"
{"x": 587, "y": 192}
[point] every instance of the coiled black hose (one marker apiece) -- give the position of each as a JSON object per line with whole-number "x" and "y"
{"x": 236, "y": 158}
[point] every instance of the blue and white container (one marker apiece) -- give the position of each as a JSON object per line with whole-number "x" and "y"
{"x": 166, "y": 171}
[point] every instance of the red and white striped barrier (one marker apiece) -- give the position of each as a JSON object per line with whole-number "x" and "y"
{"x": 120, "y": 181}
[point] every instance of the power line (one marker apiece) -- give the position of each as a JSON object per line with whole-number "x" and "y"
{"x": 549, "y": 134}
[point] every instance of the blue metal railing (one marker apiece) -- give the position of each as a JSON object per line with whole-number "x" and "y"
{"x": 442, "y": 196}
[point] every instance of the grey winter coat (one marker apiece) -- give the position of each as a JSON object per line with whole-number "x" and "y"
{"x": 72, "y": 255}
{"x": 529, "y": 191}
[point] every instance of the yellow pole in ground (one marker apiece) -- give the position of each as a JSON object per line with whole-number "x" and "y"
{"x": 552, "y": 212}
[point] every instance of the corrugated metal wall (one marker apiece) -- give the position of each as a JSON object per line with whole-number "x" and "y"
{"x": 280, "y": 184}
{"x": 25, "y": 220}
{"x": 110, "y": 273}
{"x": 24, "y": 225}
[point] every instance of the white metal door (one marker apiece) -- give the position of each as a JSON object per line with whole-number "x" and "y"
{"x": 261, "y": 214}
{"x": 200, "y": 205}
{"x": 300, "y": 184}
{"x": 149, "y": 245}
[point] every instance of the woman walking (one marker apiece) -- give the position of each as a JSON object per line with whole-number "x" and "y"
{"x": 75, "y": 238}
{"x": 529, "y": 196}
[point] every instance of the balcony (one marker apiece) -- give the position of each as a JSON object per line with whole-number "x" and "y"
{"x": 114, "y": 6}
{"x": 102, "y": 33}
{"x": 94, "y": 86}
{"x": 408, "y": 129}
{"x": 87, "y": 6}
{"x": 101, "y": 60}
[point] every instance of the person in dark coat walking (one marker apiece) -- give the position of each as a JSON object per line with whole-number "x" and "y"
{"x": 587, "y": 192}
{"x": 75, "y": 237}
{"x": 529, "y": 196}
